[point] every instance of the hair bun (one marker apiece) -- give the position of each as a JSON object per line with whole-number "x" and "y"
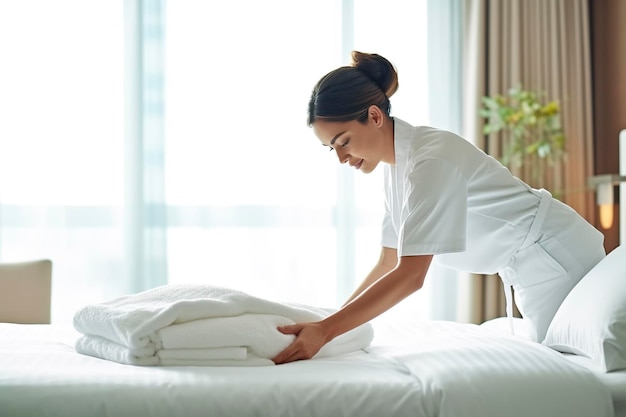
{"x": 378, "y": 69}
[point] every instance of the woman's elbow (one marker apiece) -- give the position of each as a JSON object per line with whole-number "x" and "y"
{"x": 416, "y": 282}
{"x": 415, "y": 268}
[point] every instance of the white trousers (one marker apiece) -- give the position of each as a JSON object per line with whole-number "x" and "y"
{"x": 559, "y": 250}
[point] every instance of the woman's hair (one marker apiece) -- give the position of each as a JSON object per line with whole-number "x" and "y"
{"x": 347, "y": 92}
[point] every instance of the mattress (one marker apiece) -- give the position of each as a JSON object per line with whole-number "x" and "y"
{"x": 429, "y": 369}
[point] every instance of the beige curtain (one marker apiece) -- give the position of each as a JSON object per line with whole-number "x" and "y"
{"x": 542, "y": 45}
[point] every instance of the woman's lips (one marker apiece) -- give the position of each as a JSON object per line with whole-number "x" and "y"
{"x": 358, "y": 164}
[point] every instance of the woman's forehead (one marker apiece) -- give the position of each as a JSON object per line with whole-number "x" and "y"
{"x": 328, "y": 132}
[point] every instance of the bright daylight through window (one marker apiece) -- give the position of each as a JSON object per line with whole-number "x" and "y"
{"x": 248, "y": 197}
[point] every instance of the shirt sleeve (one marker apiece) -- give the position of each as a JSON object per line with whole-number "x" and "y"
{"x": 434, "y": 211}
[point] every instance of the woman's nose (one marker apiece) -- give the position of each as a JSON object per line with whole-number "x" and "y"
{"x": 343, "y": 158}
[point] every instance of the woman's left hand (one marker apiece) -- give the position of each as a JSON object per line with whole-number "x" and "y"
{"x": 310, "y": 337}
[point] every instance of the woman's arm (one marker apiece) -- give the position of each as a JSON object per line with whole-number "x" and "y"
{"x": 386, "y": 262}
{"x": 406, "y": 278}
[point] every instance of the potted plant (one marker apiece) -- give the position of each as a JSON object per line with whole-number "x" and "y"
{"x": 531, "y": 130}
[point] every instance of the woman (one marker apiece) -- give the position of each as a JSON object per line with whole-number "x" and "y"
{"x": 446, "y": 200}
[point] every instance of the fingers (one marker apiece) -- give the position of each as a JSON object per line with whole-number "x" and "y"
{"x": 290, "y": 329}
{"x": 309, "y": 340}
{"x": 292, "y": 353}
{"x": 289, "y": 354}
{"x": 285, "y": 357}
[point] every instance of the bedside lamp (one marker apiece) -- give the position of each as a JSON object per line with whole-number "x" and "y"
{"x": 604, "y": 186}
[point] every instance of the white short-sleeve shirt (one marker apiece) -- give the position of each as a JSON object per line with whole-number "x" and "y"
{"x": 446, "y": 197}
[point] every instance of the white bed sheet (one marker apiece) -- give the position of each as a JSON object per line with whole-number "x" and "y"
{"x": 430, "y": 369}
{"x": 615, "y": 381}
{"x": 39, "y": 370}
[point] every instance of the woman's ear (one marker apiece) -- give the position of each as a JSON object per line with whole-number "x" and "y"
{"x": 376, "y": 115}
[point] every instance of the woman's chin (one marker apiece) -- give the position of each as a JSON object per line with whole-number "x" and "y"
{"x": 367, "y": 168}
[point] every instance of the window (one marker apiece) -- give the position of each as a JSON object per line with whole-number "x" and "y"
{"x": 61, "y": 144}
{"x": 246, "y": 195}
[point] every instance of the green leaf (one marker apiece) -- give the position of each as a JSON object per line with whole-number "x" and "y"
{"x": 488, "y": 129}
{"x": 490, "y": 102}
{"x": 528, "y": 127}
{"x": 532, "y": 148}
{"x": 543, "y": 150}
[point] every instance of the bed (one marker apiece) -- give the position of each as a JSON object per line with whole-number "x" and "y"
{"x": 411, "y": 368}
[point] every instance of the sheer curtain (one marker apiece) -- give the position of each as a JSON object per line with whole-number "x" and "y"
{"x": 147, "y": 142}
{"x": 445, "y": 52}
{"x": 62, "y": 145}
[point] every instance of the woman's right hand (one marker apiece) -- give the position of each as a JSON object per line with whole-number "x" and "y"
{"x": 310, "y": 338}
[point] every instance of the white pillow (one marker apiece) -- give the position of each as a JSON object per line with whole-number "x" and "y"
{"x": 591, "y": 321}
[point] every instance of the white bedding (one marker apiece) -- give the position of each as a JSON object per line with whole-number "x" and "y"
{"x": 420, "y": 369}
{"x": 615, "y": 381}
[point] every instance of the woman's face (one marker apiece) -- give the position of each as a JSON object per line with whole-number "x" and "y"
{"x": 361, "y": 145}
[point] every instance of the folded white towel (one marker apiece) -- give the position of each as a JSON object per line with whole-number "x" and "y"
{"x": 257, "y": 332}
{"x": 225, "y": 353}
{"x": 100, "y": 347}
{"x": 250, "y": 360}
{"x": 103, "y": 348}
{"x": 138, "y": 328}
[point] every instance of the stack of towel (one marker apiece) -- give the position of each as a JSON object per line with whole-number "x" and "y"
{"x": 199, "y": 325}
